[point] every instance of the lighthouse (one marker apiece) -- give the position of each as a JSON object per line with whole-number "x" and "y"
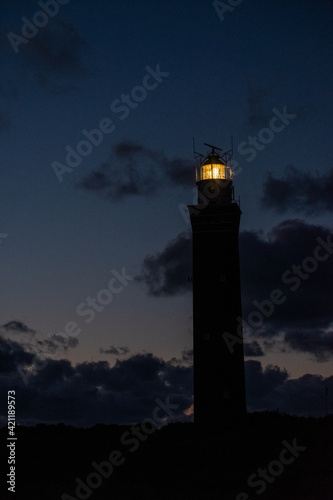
{"x": 219, "y": 381}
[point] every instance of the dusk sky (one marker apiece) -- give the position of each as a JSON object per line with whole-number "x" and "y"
{"x": 99, "y": 105}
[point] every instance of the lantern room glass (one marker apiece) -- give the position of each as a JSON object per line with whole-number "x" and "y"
{"x": 214, "y": 171}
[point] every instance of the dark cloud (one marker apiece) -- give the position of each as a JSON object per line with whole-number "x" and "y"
{"x": 166, "y": 273}
{"x": 17, "y": 327}
{"x": 267, "y": 264}
{"x": 117, "y": 351}
{"x": 316, "y": 342}
{"x": 272, "y": 388}
{"x": 261, "y": 384}
{"x": 285, "y": 261}
{"x": 134, "y": 170}
{"x": 305, "y": 395}
{"x": 301, "y": 191}
{"x": 282, "y": 264}
{"x": 57, "y": 48}
{"x": 13, "y": 355}
{"x": 258, "y": 113}
{"x": 252, "y": 349}
{"x": 138, "y": 369}
{"x": 54, "y": 56}
{"x": 94, "y": 392}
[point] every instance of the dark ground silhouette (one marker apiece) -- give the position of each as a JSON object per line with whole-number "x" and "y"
{"x": 239, "y": 461}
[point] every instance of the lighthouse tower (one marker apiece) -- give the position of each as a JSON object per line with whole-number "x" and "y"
{"x": 219, "y": 382}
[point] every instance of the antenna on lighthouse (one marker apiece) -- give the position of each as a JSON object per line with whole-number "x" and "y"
{"x": 213, "y": 147}
{"x": 224, "y": 155}
{"x": 197, "y": 156}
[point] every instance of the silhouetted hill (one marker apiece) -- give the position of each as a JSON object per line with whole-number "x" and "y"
{"x": 267, "y": 456}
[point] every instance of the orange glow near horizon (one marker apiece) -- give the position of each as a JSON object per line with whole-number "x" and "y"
{"x": 189, "y": 411}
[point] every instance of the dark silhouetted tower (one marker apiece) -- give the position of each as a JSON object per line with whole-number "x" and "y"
{"x": 219, "y": 382}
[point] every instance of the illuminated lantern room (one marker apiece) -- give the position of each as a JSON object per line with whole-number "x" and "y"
{"x": 213, "y": 168}
{"x": 214, "y": 177}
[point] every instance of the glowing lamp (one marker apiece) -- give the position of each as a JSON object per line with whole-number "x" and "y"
{"x": 213, "y": 168}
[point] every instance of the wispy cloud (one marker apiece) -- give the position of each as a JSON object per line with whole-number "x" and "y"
{"x": 298, "y": 190}
{"x": 135, "y": 170}
{"x": 54, "y": 57}
{"x": 57, "y": 48}
{"x": 34, "y": 342}
{"x": 17, "y": 327}
{"x": 116, "y": 351}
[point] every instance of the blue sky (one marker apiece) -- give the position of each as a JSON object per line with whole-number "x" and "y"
{"x": 125, "y": 200}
